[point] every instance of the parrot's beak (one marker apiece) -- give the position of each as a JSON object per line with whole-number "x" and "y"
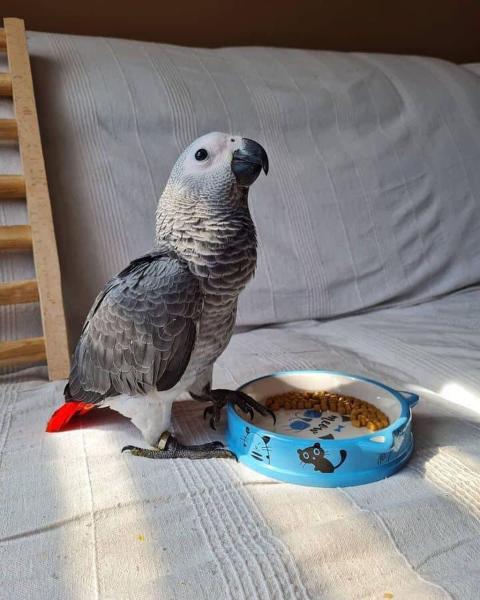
{"x": 248, "y": 161}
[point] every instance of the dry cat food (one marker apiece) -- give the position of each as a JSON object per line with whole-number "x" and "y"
{"x": 362, "y": 413}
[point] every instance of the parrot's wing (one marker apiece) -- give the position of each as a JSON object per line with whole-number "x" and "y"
{"x": 140, "y": 332}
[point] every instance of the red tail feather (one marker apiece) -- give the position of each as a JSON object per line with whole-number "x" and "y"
{"x": 63, "y": 414}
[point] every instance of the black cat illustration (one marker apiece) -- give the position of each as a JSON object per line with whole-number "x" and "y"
{"x": 259, "y": 448}
{"x": 315, "y": 455}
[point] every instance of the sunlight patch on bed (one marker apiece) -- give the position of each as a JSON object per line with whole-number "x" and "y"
{"x": 454, "y": 392}
{"x": 116, "y": 531}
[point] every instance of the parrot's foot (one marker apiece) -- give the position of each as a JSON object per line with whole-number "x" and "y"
{"x": 244, "y": 402}
{"x": 215, "y": 412}
{"x": 169, "y": 447}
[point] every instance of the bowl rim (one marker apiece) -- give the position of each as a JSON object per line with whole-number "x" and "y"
{"x": 399, "y": 422}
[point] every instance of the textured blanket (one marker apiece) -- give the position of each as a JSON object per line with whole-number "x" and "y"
{"x": 80, "y": 520}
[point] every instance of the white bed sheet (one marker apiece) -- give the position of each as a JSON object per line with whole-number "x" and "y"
{"x": 80, "y": 520}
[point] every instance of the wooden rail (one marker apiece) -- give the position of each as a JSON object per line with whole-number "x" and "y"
{"x": 12, "y": 187}
{"x": 5, "y": 85}
{"x": 19, "y": 292}
{"x": 8, "y": 129}
{"x": 15, "y": 237}
{"x": 28, "y": 350}
{"x": 39, "y": 234}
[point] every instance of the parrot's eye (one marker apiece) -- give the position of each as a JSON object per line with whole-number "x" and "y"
{"x": 201, "y": 154}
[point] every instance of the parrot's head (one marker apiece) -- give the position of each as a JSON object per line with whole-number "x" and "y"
{"x": 217, "y": 168}
{"x": 205, "y": 199}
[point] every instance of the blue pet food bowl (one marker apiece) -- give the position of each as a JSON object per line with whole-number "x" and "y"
{"x": 311, "y": 447}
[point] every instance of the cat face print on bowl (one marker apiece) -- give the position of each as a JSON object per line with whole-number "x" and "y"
{"x": 322, "y": 448}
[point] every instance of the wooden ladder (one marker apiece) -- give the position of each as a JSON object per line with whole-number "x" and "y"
{"x": 38, "y": 236}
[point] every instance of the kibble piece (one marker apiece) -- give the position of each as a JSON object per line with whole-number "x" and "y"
{"x": 355, "y": 422}
{"x": 371, "y": 425}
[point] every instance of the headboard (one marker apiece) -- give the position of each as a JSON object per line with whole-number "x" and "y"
{"x": 443, "y": 28}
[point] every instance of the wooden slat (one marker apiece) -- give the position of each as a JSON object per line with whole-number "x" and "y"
{"x": 38, "y": 202}
{"x": 8, "y": 129}
{"x": 17, "y": 352}
{"x": 15, "y": 237}
{"x": 12, "y": 187}
{"x": 3, "y": 40}
{"x": 18, "y": 292}
{"x": 5, "y": 84}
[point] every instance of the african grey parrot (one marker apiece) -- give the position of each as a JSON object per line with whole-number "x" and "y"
{"x": 157, "y": 328}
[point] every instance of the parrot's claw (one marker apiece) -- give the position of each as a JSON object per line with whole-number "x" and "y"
{"x": 248, "y": 405}
{"x": 244, "y": 402}
{"x": 215, "y": 412}
{"x": 174, "y": 449}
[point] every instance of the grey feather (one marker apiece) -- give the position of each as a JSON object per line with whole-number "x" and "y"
{"x": 140, "y": 333}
